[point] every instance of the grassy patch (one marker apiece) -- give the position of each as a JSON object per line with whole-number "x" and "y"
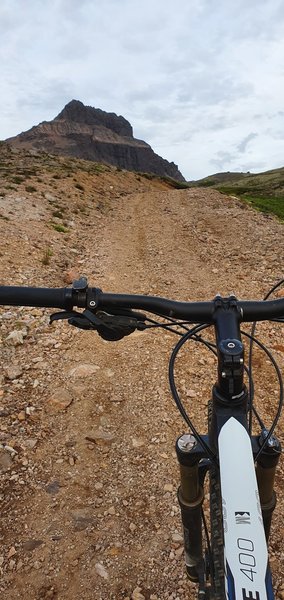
{"x": 233, "y": 191}
{"x": 59, "y": 228}
{"x": 99, "y": 168}
{"x": 17, "y": 179}
{"x": 47, "y": 256}
{"x": 30, "y": 189}
{"x": 58, "y": 214}
{"x": 273, "y": 206}
{"x": 177, "y": 185}
{"x": 149, "y": 176}
{"x": 82, "y": 208}
{"x": 29, "y": 173}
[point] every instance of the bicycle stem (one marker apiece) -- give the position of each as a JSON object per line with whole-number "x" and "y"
{"x": 230, "y": 349}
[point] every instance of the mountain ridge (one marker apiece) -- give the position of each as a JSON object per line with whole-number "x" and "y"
{"x": 92, "y": 134}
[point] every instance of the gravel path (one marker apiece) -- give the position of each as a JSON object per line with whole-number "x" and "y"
{"x": 88, "y": 491}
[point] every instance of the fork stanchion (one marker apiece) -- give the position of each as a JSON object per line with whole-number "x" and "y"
{"x": 190, "y": 497}
{"x": 265, "y": 473}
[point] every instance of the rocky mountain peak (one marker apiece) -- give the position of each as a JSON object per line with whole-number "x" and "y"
{"x": 79, "y": 113}
{"x": 92, "y": 134}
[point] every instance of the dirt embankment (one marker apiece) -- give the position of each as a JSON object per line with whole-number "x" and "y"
{"x": 88, "y": 493}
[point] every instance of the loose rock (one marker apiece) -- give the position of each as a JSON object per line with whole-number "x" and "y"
{"x": 13, "y": 372}
{"x": 16, "y": 338}
{"x": 100, "y": 569}
{"x": 59, "y": 401}
{"x": 32, "y": 544}
{"x": 6, "y": 461}
{"x": 84, "y": 370}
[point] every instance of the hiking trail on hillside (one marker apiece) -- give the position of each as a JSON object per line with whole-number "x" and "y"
{"x": 88, "y": 495}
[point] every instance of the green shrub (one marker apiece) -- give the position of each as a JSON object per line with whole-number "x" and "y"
{"x": 58, "y": 214}
{"x": 47, "y": 256}
{"x": 177, "y": 185}
{"x": 18, "y": 179}
{"x": 60, "y": 228}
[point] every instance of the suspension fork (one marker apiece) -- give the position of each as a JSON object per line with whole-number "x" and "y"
{"x": 193, "y": 468}
{"x": 266, "y": 466}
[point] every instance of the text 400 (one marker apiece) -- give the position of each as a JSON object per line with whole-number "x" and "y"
{"x": 246, "y": 558}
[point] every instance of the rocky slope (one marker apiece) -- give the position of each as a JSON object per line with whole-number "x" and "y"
{"x": 92, "y": 134}
{"x": 87, "y": 465}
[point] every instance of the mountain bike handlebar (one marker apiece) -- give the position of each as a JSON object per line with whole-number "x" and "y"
{"x": 86, "y": 297}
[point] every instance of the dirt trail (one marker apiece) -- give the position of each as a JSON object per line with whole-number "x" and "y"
{"x": 90, "y": 510}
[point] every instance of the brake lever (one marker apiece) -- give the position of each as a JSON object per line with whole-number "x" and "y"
{"x": 109, "y": 327}
{"x": 115, "y": 327}
{"x": 74, "y": 318}
{"x": 126, "y": 312}
{"x": 64, "y": 314}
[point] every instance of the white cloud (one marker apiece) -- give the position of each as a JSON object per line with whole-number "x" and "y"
{"x": 195, "y": 79}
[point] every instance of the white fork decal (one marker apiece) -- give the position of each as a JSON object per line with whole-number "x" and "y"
{"x": 245, "y": 552}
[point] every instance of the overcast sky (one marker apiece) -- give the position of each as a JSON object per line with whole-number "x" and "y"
{"x": 202, "y": 81}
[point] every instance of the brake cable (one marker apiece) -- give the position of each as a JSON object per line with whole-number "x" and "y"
{"x": 197, "y": 338}
{"x": 187, "y": 336}
{"x": 253, "y": 328}
{"x": 280, "y": 380}
{"x": 192, "y": 334}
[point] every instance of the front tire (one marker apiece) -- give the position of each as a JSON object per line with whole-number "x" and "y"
{"x": 216, "y": 525}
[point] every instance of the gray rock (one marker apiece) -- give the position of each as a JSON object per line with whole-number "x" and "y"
{"x": 100, "y": 434}
{"x": 83, "y": 370}
{"x": 30, "y": 443}
{"x": 100, "y": 569}
{"x": 53, "y": 487}
{"x": 32, "y": 544}
{"x": 49, "y": 197}
{"x": 16, "y": 337}
{"x": 82, "y": 518}
{"x": 6, "y": 460}
{"x": 13, "y": 372}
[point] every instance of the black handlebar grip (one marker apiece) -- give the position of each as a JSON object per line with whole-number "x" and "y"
{"x": 42, "y": 297}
